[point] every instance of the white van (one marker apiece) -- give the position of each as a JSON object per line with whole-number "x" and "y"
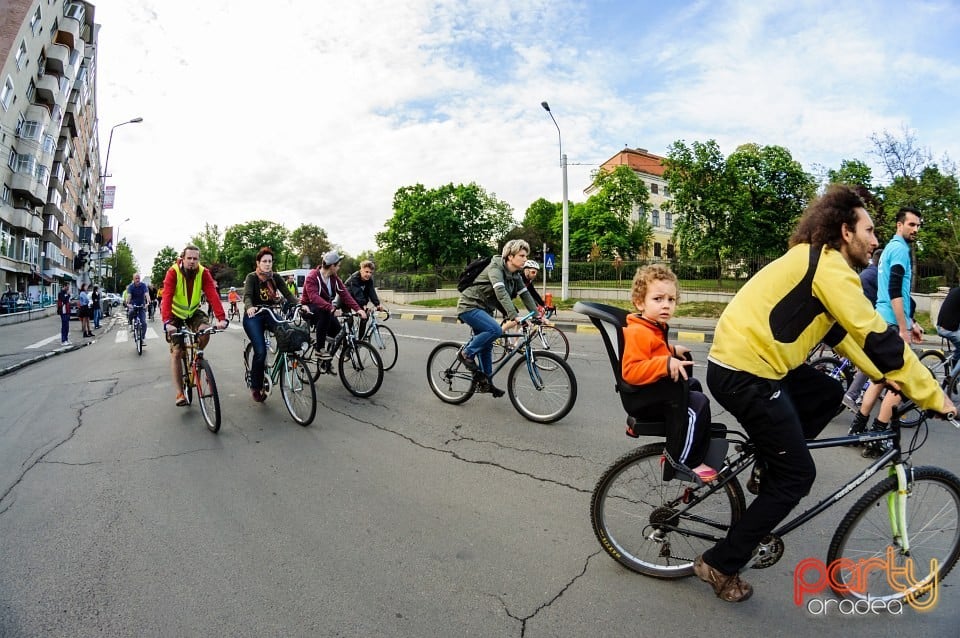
{"x": 300, "y": 275}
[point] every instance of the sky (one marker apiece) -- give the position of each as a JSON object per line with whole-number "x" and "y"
{"x": 311, "y": 111}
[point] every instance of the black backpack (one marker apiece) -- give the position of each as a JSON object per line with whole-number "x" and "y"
{"x": 470, "y": 273}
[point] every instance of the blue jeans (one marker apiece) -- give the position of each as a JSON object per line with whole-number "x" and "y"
{"x": 254, "y": 327}
{"x": 953, "y": 336}
{"x": 96, "y": 316}
{"x": 137, "y": 311}
{"x": 485, "y": 330}
{"x": 64, "y": 325}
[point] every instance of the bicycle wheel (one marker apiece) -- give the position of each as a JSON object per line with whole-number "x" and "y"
{"x": 138, "y": 336}
{"x": 248, "y": 363}
{"x": 297, "y": 389}
{"x": 361, "y": 370}
{"x": 552, "y": 339}
{"x": 935, "y": 362}
{"x": 834, "y": 368}
{"x": 655, "y": 527}
{"x": 499, "y": 350}
{"x": 207, "y": 395}
{"x": 447, "y": 376}
{"x": 933, "y": 529}
{"x": 385, "y": 343}
{"x": 544, "y": 390}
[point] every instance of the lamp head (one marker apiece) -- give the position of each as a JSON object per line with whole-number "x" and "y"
{"x": 546, "y": 107}
{"x": 136, "y": 120}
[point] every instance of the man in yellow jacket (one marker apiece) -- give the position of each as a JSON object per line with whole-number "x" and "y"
{"x": 756, "y": 366}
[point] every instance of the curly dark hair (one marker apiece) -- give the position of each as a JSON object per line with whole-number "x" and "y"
{"x": 825, "y": 217}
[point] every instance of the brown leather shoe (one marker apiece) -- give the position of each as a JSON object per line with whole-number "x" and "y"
{"x": 729, "y": 588}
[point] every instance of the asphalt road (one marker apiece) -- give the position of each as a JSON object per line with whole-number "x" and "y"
{"x": 121, "y": 515}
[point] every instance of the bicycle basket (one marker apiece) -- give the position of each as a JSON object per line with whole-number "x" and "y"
{"x": 291, "y": 338}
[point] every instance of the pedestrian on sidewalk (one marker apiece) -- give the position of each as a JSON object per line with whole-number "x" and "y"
{"x": 85, "y": 311}
{"x": 96, "y": 299}
{"x": 63, "y": 309}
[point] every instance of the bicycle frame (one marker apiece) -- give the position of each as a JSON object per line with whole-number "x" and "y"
{"x": 898, "y": 466}
{"x": 525, "y": 334}
{"x": 371, "y": 333}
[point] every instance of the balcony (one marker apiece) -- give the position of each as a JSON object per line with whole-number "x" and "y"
{"x": 58, "y": 58}
{"x": 69, "y": 33}
{"x": 51, "y": 237}
{"x": 48, "y": 88}
{"x": 51, "y": 208}
{"x": 31, "y": 224}
{"x": 26, "y": 185}
{"x": 38, "y": 113}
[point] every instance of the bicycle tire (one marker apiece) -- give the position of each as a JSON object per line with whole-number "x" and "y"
{"x": 297, "y": 389}
{"x": 631, "y": 499}
{"x": 933, "y": 521}
{"x": 557, "y": 391}
{"x": 138, "y": 336}
{"x": 551, "y": 339}
{"x": 447, "y": 376}
{"x": 388, "y": 353}
{"x": 360, "y": 368}
{"x": 248, "y": 363}
{"x": 936, "y": 362}
{"x": 207, "y": 395}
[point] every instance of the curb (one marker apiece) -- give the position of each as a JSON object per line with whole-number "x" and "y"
{"x": 46, "y": 355}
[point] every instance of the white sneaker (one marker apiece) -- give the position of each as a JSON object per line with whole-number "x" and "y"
{"x": 65, "y": 343}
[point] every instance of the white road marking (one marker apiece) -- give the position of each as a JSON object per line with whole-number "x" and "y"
{"x": 42, "y": 343}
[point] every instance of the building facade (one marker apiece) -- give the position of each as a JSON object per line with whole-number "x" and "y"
{"x": 50, "y": 205}
{"x": 650, "y": 169}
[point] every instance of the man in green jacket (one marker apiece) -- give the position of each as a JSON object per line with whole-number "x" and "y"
{"x": 493, "y": 290}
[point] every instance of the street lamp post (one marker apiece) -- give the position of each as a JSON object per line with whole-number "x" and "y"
{"x": 116, "y": 258}
{"x": 103, "y": 187}
{"x": 565, "y": 268}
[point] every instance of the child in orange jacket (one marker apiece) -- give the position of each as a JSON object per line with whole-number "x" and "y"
{"x": 648, "y": 358}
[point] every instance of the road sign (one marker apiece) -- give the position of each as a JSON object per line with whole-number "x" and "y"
{"x": 548, "y": 261}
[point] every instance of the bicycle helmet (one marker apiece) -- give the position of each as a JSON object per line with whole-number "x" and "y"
{"x": 532, "y": 264}
{"x": 233, "y": 289}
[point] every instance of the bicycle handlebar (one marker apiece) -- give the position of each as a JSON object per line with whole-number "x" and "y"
{"x": 184, "y": 332}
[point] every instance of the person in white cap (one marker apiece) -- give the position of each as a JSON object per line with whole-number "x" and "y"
{"x": 320, "y": 288}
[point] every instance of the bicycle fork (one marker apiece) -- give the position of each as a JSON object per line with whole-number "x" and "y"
{"x": 897, "y": 509}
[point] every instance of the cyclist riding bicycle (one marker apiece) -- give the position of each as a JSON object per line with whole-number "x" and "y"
{"x": 361, "y": 288}
{"x": 262, "y": 288}
{"x": 233, "y": 297}
{"x": 180, "y": 306}
{"x": 136, "y": 294}
{"x": 493, "y": 290}
{"x": 756, "y": 368}
{"x": 321, "y": 287}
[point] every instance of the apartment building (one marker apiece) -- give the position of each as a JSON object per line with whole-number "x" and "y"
{"x": 650, "y": 169}
{"x": 50, "y": 204}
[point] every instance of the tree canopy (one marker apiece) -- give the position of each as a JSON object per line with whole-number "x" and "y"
{"x": 242, "y": 241}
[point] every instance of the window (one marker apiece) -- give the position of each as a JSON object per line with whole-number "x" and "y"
{"x": 12, "y": 159}
{"x": 49, "y": 144}
{"x": 43, "y": 175}
{"x": 6, "y": 94}
{"x": 22, "y": 55}
{"x": 656, "y": 249}
{"x": 25, "y": 164}
{"x": 42, "y": 65}
{"x": 73, "y": 10}
{"x": 654, "y": 188}
{"x": 5, "y": 195}
{"x": 671, "y": 251}
{"x": 31, "y": 130}
{"x": 20, "y": 122}
{"x": 52, "y": 224}
{"x": 55, "y": 198}
{"x": 656, "y": 218}
{"x": 31, "y": 90}
{"x": 35, "y": 21}
{"x": 5, "y": 239}
{"x": 666, "y": 191}
{"x": 668, "y": 219}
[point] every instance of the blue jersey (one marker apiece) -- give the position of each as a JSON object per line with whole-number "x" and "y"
{"x": 896, "y": 253}
{"x": 138, "y": 294}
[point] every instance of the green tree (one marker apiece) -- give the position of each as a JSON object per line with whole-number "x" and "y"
{"x": 309, "y": 241}
{"x": 210, "y": 244}
{"x": 771, "y": 191}
{"x": 125, "y": 265}
{"x": 446, "y": 225}
{"x": 852, "y": 173}
{"x": 622, "y": 192}
{"x": 703, "y": 192}
{"x": 242, "y": 241}
{"x": 161, "y": 263}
